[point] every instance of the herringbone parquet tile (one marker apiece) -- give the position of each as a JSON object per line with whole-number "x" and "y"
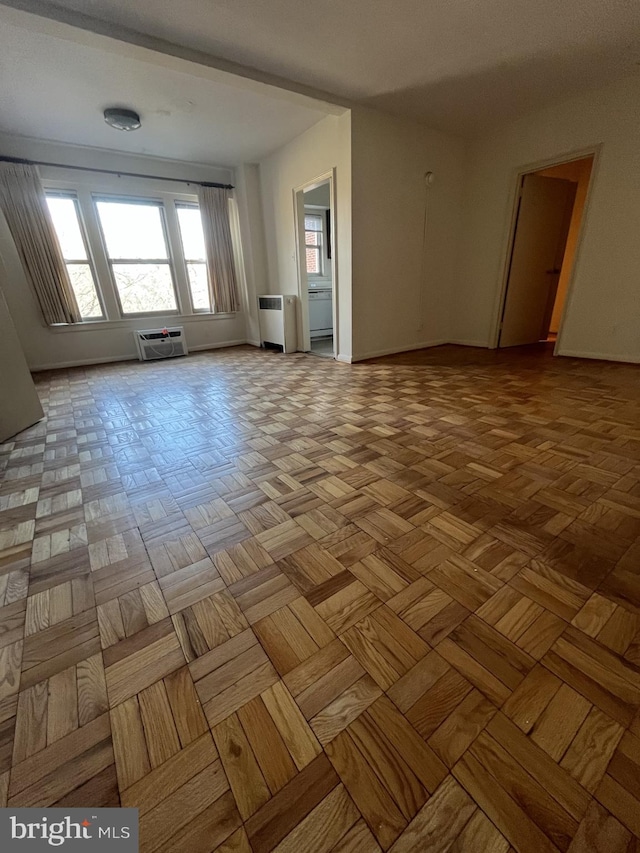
{"x": 279, "y": 603}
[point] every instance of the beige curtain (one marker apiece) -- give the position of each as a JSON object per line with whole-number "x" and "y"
{"x": 24, "y": 205}
{"x": 223, "y": 283}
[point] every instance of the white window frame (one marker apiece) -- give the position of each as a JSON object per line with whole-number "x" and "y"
{"x": 149, "y": 201}
{"x": 72, "y": 195}
{"x": 320, "y": 249}
{"x": 178, "y": 203}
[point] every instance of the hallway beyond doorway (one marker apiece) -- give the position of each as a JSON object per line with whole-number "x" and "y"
{"x": 549, "y": 213}
{"x": 322, "y": 346}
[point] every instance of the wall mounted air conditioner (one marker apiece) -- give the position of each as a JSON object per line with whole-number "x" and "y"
{"x": 160, "y": 343}
{"x": 277, "y": 317}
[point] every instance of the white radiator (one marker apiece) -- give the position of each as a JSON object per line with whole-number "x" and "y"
{"x": 277, "y": 317}
{"x": 160, "y": 343}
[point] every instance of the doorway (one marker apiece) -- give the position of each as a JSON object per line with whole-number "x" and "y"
{"x": 550, "y": 211}
{"x": 315, "y": 227}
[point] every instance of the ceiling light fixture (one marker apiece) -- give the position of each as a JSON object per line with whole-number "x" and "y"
{"x": 122, "y": 118}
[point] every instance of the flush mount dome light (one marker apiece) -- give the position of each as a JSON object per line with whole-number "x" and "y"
{"x": 121, "y": 118}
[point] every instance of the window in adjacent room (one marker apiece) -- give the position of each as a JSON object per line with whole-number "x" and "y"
{"x": 136, "y": 246}
{"x": 66, "y": 221}
{"x": 313, "y": 234}
{"x": 194, "y": 255}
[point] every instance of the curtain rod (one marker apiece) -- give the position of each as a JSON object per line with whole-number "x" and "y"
{"x": 114, "y": 172}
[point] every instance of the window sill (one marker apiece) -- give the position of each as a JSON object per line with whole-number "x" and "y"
{"x": 145, "y": 321}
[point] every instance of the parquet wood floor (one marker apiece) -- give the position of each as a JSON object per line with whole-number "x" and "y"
{"x": 279, "y": 603}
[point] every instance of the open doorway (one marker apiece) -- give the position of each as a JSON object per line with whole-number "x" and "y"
{"x": 550, "y": 212}
{"x": 315, "y": 229}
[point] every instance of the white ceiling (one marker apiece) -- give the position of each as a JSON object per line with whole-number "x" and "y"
{"x": 458, "y": 64}
{"x": 57, "y": 80}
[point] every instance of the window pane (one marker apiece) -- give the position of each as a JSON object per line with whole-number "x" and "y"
{"x": 191, "y": 233}
{"x": 313, "y": 261}
{"x": 199, "y": 287}
{"x": 313, "y": 223}
{"x": 65, "y": 220}
{"x": 312, "y": 238}
{"x": 144, "y": 288}
{"x": 85, "y": 290}
{"x": 132, "y": 230}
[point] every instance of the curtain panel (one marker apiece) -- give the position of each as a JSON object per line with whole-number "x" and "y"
{"x": 24, "y": 205}
{"x": 221, "y": 271}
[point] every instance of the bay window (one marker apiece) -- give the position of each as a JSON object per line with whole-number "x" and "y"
{"x": 130, "y": 254}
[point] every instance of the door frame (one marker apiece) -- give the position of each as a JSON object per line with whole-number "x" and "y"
{"x": 304, "y": 339}
{"x": 518, "y": 175}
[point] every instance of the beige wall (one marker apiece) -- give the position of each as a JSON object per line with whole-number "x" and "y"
{"x": 602, "y": 314}
{"x": 46, "y": 347}
{"x": 325, "y": 146}
{"x": 401, "y": 298}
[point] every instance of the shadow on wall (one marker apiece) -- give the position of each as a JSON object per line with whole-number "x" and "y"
{"x": 478, "y": 101}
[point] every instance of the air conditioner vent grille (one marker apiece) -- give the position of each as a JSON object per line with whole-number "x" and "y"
{"x": 270, "y": 303}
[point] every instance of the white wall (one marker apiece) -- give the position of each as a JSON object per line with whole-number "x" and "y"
{"x": 602, "y": 315}
{"x": 325, "y": 146}
{"x": 46, "y": 347}
{"x": 400, "y": 300}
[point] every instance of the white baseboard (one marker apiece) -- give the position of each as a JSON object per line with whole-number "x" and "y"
{"x": 111, "y": 359}
{"x": 345, "y": 359}
{"x": 220, "y": 345}
{"x": 394, "y": 350}
{"x": 84, "y": 362}
{"x": 600, "y": 356}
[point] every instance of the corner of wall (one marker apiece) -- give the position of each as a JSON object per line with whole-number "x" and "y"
{"x": 405, "y": 233}
{"x": 323, "y": 148}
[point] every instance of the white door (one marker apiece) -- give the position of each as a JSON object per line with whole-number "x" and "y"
{"x": 19, "y": 403}
{"x": 538, "y": 247}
